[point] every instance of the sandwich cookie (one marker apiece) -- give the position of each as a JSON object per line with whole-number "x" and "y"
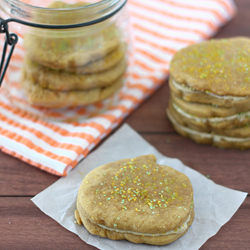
{"x": 137, "y": 200}
{"x": 238, "y": 138}
{"x": 210, "y": 90}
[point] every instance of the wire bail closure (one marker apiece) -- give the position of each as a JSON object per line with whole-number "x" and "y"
{"x": 11, "y": 40}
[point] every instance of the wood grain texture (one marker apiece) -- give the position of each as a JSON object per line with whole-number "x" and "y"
{"x": 151, "y": 116}
{"x": 24, "y": 226}
{"x": 18, "y": 178}
{"x": 227, "y": 167}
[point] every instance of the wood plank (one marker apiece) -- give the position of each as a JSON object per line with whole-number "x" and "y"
{"x": 151, "y": 116}
{"x": 227, "y": 167}
{"x": 24, "y": 226}
{"x": 239, "y": 25}
{"x": 21, "y": 179}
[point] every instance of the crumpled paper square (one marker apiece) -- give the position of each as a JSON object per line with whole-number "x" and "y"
{"x": 214, "y": 204}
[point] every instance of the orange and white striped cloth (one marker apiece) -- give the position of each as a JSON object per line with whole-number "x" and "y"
{"x": 161, "y": 27}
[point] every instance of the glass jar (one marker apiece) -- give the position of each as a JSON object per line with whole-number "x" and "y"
{"x": 71, "y": 58}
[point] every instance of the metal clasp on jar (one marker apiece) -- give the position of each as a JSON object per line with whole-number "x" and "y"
{"x": 10, "y": 40}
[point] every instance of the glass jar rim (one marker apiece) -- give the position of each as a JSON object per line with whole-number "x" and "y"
{"x": 105, "y": 9}
{"x": 29, "y": 6}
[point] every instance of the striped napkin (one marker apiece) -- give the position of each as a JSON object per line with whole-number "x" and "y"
{"x": 161, "y": 27}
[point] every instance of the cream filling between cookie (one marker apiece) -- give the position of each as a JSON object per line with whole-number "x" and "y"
{"x": 178, "y": 230}
{"x": 207, "y": 135}
{"x": 239, "y": 116}
{"x": 186, "y": 89}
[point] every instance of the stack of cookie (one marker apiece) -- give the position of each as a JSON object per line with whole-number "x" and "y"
{"x": 210, "y": 92}
{"x": 69, "y": 69}
{"x": 137, "y": 200}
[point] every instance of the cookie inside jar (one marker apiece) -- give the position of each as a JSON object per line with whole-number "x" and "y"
{"x": 80, "y": 63}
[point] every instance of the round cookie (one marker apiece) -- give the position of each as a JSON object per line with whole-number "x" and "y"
{"x": 39, "y": 96}
{"x": 191, "y": 95}
{"x": 64, "y": 81}
{"x": 70, "y": 48}
{"x": 206, "y": 110}
{"x": 210, "y": 92}
{"x": 187, "y": 122}
{"x": 63, "y": 5}
{"x": 220, "y": 67}
{"x": 65, "y": 13}
{"x": 103, "y": 64}
{"x": 237, "y": 138}
{"x": 209, "y": 123}
{"x": 68, "y": 52}
{"x": 137, "y": 200}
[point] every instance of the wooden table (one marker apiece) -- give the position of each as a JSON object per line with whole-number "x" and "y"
{"x": 24, "y": 226}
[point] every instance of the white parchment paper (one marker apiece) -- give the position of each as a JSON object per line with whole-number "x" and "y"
{"x": 214, "y": 204}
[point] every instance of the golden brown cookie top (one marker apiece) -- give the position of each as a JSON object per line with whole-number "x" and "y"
{"x": 221, "y": 67}
{"x": 61, "y": 17}
{"x": 137, "y": 195}
{"x": 63, "y": 5}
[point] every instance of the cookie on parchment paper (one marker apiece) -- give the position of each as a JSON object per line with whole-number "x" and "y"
{"x": 137, "y": 200}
